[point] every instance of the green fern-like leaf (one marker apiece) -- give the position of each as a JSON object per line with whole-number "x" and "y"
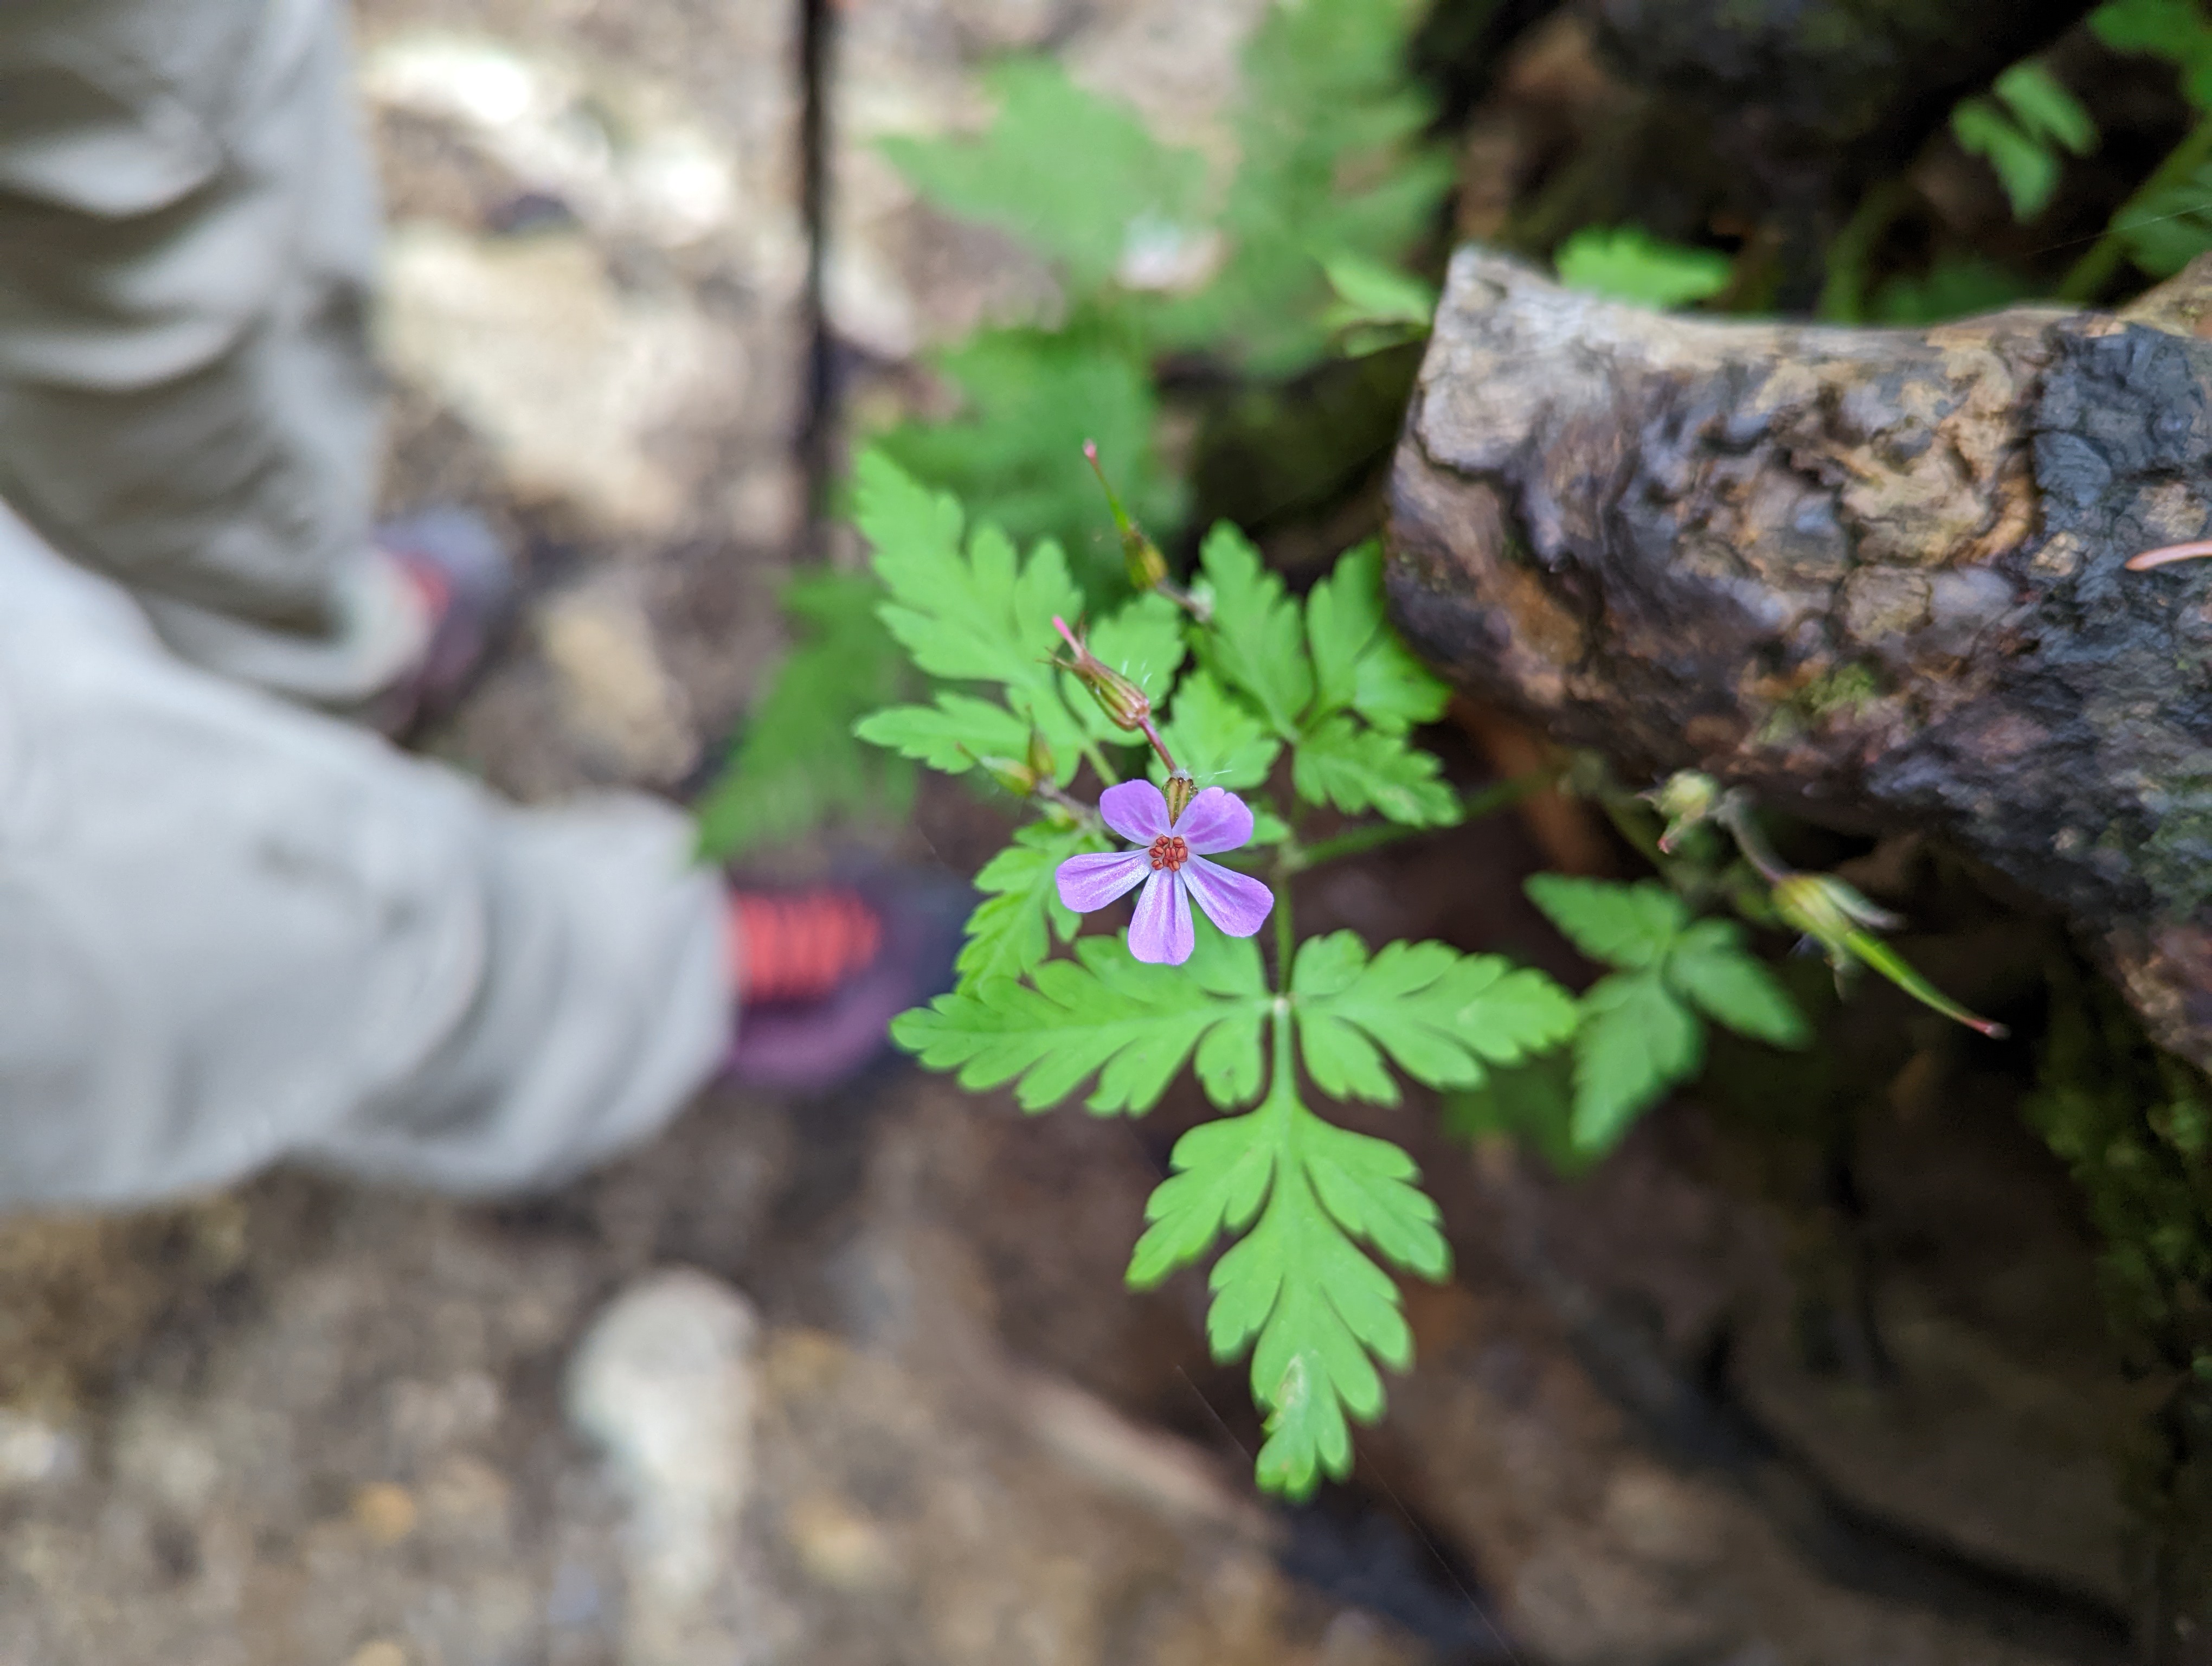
{"x": 1070, "y": 174}
{"x": 1442, "y": 1017}
{"x": 1316, "y": 1310}
{"x": 1641, "y": 1031}
{"x": 798, "y": 765}
{"x": 1630, "y": 264}
{"x": 1105, "y": 1013}
{"x": 1008, "y": 933}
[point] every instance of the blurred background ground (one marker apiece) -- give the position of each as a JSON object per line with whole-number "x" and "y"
{"x": 856, "y": 1380}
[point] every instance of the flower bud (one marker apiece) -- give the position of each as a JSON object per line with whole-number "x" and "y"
{"x": 1041, "y": 761}
{"x": 1123, "y": 701}
{"x": 1826, "y": 909}
{"x": 1182, "y": 789}
{"x": 1147, "y": 568}
{"x": 1019, "y": 779}
{"x": 1684, "y": 799}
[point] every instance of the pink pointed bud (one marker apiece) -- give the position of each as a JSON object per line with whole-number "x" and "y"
{"x": 1182, "y": 789}
{"x": 1123, "y": 701}
{"x": 1147, "y": 567}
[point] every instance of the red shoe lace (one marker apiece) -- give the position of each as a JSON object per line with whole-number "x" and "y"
{"x": 800, "y": 946}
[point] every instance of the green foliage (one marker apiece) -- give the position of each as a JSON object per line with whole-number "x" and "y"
{"x": 1298, "y": 248}
{"x": 1334, "y": 682}
{"x": 1031, "y": 398}
{"x": 1531, "y": 1105}
{"x": 2164, "y": 229}
{"x": 1641, "y": 1027}
{"x": 1442, "y": 1017}
{"x": 1317, "y": 1311}
{"x": 1629, "y": 263}
{"x": 796, "y": 766}
{"x": 1131, "y": 1024}
{"x": 2175, "y": 30}
{"x": 2020, "y": 131}
{"x": 1069, "y": 173}
{"x": 1006, "y": 932}
{"x": 1958, "y": 286}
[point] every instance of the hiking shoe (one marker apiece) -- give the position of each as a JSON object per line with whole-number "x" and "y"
{"x": 461, "y": 571}
{"x": 823, "y": 970}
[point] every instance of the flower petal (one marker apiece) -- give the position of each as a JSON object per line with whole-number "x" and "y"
{"x": 1136, "y": 809}
{"x": 1236, "y": 902}
{"x": 1215, "y": 821}
{"x": 1089, "y": 883}
{"x": 1160, "y": 931}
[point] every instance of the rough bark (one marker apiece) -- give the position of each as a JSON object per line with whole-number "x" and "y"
{"x": 1875, "y": 575}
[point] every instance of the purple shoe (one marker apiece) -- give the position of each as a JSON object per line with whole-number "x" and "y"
{"x": 825, "y": 969}
{"x": 465, "y": 577}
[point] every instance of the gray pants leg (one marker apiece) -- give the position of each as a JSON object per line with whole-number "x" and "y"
{"x": 187, "y": 241}
{"x": 231, "y": 930}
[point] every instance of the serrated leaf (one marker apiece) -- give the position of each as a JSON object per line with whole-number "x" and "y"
{"x": 1629, "y": 263}
{"x": 798, "y": 765}
{"x": 1339, "y": 762}
{"x": 1133, "y": 1025}
{"x": 1257, "y": 644}
{"x": 1359, "y": 662}
{"x": 1061, "y": 170}
{"x": 1216, "y": 736}
{"x": 1317, "y": 1311}
{"x": 1636, "y": 1041}
{"x": 2026, "y": 166}
{"x": 1008, "y": 933}
{"x": 1622, "y": 924}
{"x": 2044, "y": 108}
{"x": 1442, "y": 1016}
{"x": 1029, "y": 399}
{"x": 1709, "y": 965}
{"x": 951, "y": 735}
{"x": 1533, "y": 1103}
{"x": 982, "y": 614}
{"x": 1335, "y": 167}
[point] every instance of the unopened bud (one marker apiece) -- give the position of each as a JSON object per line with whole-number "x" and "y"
{"x": 1182, "y": 789}
{"x": 1123, "y": 701}
{"x": 1684, "y": 799}
{"x": 1019, "y": 779}
{"x": 1828, "y": 910}
{"x": 1041, "y": 763}
{"x": 1147, "y": 567}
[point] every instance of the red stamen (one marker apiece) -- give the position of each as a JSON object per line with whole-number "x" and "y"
{"x": 1168, "y": 852}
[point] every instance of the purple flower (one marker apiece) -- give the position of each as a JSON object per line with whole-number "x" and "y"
{"x": 1173, "y": 868}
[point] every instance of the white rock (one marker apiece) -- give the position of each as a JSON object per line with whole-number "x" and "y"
{"x": 663, "y": 1381}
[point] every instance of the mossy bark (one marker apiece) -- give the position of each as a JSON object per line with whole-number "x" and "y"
{"x": 1878, "y": 577}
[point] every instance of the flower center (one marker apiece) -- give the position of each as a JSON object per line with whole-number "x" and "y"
{"x": 1168, "y": 852}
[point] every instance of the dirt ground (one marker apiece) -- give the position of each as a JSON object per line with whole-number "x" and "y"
{"x": 855, "y": 1380}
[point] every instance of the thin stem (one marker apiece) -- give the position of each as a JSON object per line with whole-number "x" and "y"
{"x": 1286, "y": 937}
{"x": 2093, "y": 271}
{"x": 1097, "y": 760}
{"x": 1734, "y": 814}
{"x": 1843, "y": 298}
{"x": 1159, "y": 745}
{"x": 1498, "y": 795}
{"x": 1282, "y": 1089}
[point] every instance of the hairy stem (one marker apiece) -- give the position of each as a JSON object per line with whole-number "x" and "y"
{"x": 1488, "y": 801}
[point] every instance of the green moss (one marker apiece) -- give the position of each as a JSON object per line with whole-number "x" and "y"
{"x": 2132, "y": 1124}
